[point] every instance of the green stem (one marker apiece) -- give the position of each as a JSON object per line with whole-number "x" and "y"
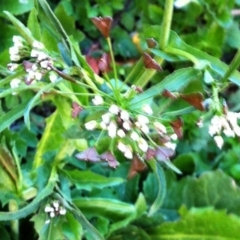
{"x": 232, "y": 67}
{"x": 113, "y": 60}
{"x": 166, "y": 24}
{"x": 13, "y": 207}
{"x": 182, "y": 53}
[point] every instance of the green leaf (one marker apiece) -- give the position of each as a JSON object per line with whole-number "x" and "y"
{"x": 26, "y": 34}
{"x": 33, "y": 24}
{"x": 110, "y": 208}
{"x": 88, "y": 180}
{"x": 158, "y": 171}
{"x": 203, "y": 223}
{"x": 175, "y": 81}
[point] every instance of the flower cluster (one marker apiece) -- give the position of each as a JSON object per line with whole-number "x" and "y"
{"x": 225, "y": 123}
{"x": 39, "y": 64}
{"x": 54, "y": 209}
{"x": 132, "y": 131}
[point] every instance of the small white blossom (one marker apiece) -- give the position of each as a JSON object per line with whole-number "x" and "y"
{"x": 145, "y": 129}
{"x": 42, "y": 56}
{"x": 53, "y": 77}
{"x": 142, "y": 144}
{"x": 15, "y": 58}
{"x": 106, "y": 118}
{"x": 38, "y": 76}
{"x": 44, "y": 64}
{"x": 181, "y": 3}
{"x": 34, "y": 53}
{"x": 56, "y": 205}
{"x": 12, "y": 66}
{"x": 114, "y": 109}
{"x": 14, "y": 50}
{"x": 38, "y": 45}
{"x": 34, "y": 67}
{"x": 97, "y": 100}
{"x": 174, "y": 137}
{"x": 160, "y": 127}
{"x": 121, "y": 133}
{"x": 134, "y": 136}
{"x": 124, "y": 115}
{"x": 147, "y": 109}
{"x": 62, "y": 211}
{"x": 52, "y": 214}
{"x": 17, "y": 39}
{"x": 219, "y": 141}
{"x": 127, "y": 125}
{"x": 170, "y": 145}
{"x": 142, "y": 119}
{"x": 121, "y": 147}
{"x": 112, "y": 129}
{"x": 15, "y": 83}
{"x": 48, "y": 208}
{"x": 91, "y": 125}
{"x": 128, "y": 152}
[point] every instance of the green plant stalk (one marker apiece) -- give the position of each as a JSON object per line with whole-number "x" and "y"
{"x": 136, "y": 70}
{"x": 166, "y": 24}
{"x": 148, "y": 74}
{"x": 182, "y": 53}
{"x": 232, "y": 67}
{"x": 13, "y": 207}
{"x": 217, "y": 106}
{"x": 20, "y": 177}
{"x": 113, "y": 59}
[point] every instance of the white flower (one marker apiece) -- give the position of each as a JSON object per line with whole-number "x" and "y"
{"x": 15, "y": 83}
{"x": 114, "y": 109}
{"x": 121, "y": 133}
{"x": 62, "y": 211}
{"x": 121, "y": 147}
{"x": 112, "y": 129}
{"x": 181, "y": 3}
{"x": 34, "y": 67}
{"x": 219, "y": 141}
{"x": 17, "y": 39}
{"x": 44, "y": 64}
{"x": 97, "y": 100}
{"x": 144, "y": 129}
{"x": 42, "y": 56}
{"x": 128, "y": 152}
{"x": 12, "y": 66}
{"x": 34, "y": 53}
{"x": 53, "y": 77}
{"x": 38, "y": 76}
{"x": 106, "y": 118}
{"x": 127, "y": 125}
{"x": 170, "y": 145}
{"x": 13, "y": 50}
{"x": 160, "y": 127}
{"x": 38, "y": 45}
{"x": 142, "y": 119}
{"x": 174, "y": 137}
{"x": 124, "y": 115}
{"x": 142, "y": 144}
{"x": 48, "y": 208}
{"x": 52, "y": 214}
{"x": 91, "y": 125}
{"x": 56, "y": 205}
{"x": 134, "y": 136}
{"x": 15, "y": 58}
{"x": 147, "y": 109}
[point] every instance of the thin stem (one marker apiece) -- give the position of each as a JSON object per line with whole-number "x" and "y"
{"x": 232, "y": 67}
{"x": 13, "y": 207}
{"x": 113, "y": 60}
{"x": 166, "y": 24}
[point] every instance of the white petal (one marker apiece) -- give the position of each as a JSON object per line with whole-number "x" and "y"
{"x": 114, "y": 109}
{"x": 160, "y": 127}
{"x": 97, "y": 100}
{"x": 48, "y": 208}
{"x": 38, "y": 45}
{"x": 106, "y": 118}
{"x": 90, "y": 125}
{"x": 142, "y": 119}
{"x": 121, "y": 147}
{"x": 128, "y": 152}
{"x": 145, "y": 129}
{"x": 112, "y": 129}
{"x": 124, "y": 115}
{"x": 127, "y": 125}
{"x": 143, "y": 145}
{"x": 147, "y": 109}
{"x": 134, "y": 136}
{"x": 121, "y": 133}
{"x": 62, "y": 211}
{"x": 219, "y": 141}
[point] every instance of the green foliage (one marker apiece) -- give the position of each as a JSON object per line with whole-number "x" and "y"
{"x": 122, "y": 126}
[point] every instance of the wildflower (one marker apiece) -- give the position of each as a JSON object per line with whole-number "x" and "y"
{"x": 147, "y": 109}
{"x": 98, "y": 100}
{"x": 142, "y": 144}
{"x": 114, "y": 109}
{"x": 12, "y": 66}
{"x": 142, "y": 119}
{"x": 62, "y": 211}
{"x": 15, "y": 83}
{"x": 218, "y": 140}
{"x": 14, "y": 50}
{"x": 106, "y": 118}
{"x": 112, "y": 129}
{"x": 170, "y": 145}
{"x": 134, "y": 136}
{"x": 128, "y": 152}
{"x": 121, "y": 146}
{"x": 124, "y": 115}
{"x": 160, "y": 127}
{"x": 91, "y": 125}
{"x": 127, "y": 125}
{"x": 121, "y": 133}
{"x": 15, "y": 58}
{"x": 34, "y": 53}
